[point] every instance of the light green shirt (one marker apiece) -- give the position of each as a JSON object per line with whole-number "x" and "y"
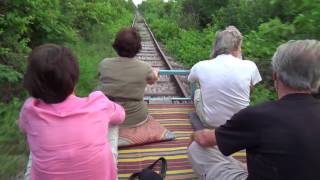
{"x": 124, "y": 81}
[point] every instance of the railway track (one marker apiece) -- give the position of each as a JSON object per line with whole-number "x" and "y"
{"x": 167, "y": 87}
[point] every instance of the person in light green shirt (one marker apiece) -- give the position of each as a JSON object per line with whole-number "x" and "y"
{"x": 124, "y": 79}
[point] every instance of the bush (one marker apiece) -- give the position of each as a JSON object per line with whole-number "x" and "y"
{"x": 191, "y": 46}
{"x": 261, "y": 44}
{"x": 262, "y": 93}
{"x": 164, "y": 29}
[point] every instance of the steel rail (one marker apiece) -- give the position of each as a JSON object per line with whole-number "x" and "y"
{"x": 164, "y": 58}
{"x": 134, "y": 19}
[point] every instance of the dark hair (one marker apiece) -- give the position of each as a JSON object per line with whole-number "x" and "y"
{"x": 52, "y": 73}
{"x": 127, "y": 42}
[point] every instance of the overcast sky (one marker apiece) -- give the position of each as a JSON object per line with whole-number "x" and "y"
{"x": 137, "y": 1}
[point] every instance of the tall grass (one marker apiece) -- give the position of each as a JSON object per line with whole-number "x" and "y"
{"x": 89, "y": 55}
{"x": 12, "y": 142}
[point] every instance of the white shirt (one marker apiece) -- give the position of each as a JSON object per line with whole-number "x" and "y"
{"x": 225, "y": 86}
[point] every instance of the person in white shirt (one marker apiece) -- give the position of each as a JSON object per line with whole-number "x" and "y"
{"x": 225, "y": 81}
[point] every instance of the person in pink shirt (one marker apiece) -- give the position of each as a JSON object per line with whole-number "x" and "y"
{"x": 67, "y": 135}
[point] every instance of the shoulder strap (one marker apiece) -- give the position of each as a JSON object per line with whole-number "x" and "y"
{"x": 134, "y": 176}
{"x": 163, "y": 170}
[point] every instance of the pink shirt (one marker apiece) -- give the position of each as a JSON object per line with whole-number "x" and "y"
{"x": 68, "y": 140}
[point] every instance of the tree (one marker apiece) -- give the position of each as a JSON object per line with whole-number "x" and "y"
{"x": 203, "y": 9}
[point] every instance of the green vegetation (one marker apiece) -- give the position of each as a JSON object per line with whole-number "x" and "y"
{"x": 87, "y": 27}
{"x": 187, "y": 28}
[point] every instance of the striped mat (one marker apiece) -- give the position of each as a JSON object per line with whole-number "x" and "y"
{"x": 175, "y": 118}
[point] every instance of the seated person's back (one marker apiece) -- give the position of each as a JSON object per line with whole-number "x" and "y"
{"x": 125, "y": 78}
{"x": 225, "y": 81}
{"x": 66, "y": 134}
{"x": 225, "y": 84}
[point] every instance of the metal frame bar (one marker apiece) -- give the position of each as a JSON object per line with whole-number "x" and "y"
{"x": 179, "y": 73}
{"x": 174, "y": 72}
{"x": 168, "y": 98}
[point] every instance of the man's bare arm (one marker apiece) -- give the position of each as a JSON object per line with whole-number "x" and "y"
{"x": 205, "y": 137}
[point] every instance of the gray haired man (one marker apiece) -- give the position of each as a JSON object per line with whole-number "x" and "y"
{"x": 225, "y": 80}
{"x": 280, "y": 137}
